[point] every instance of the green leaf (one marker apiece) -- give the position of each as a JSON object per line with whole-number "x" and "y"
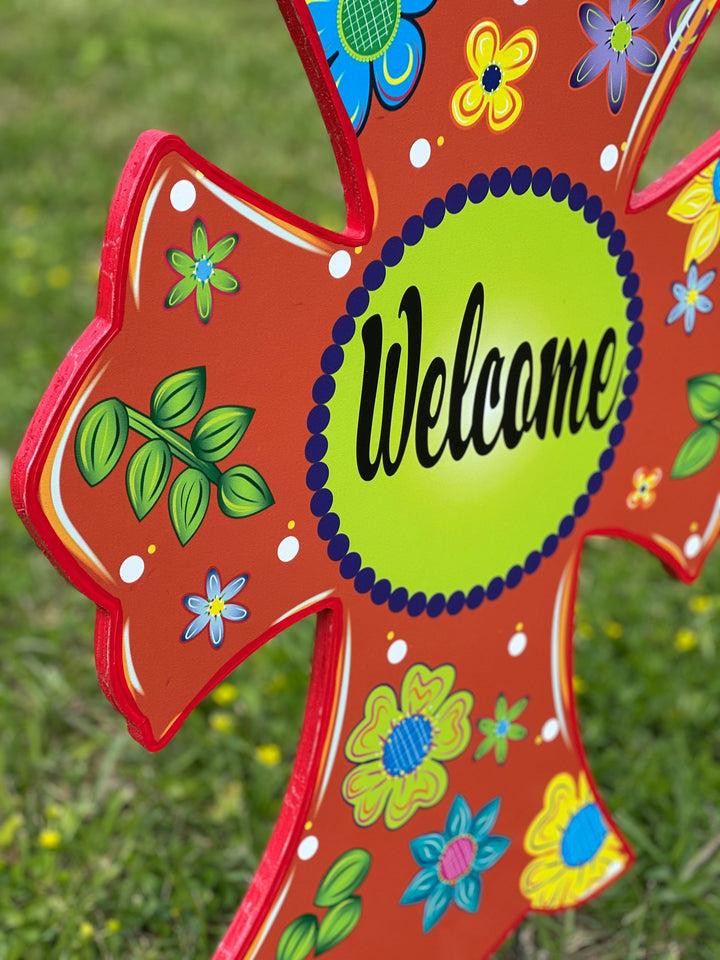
{"x": 697, "y": 452}
{"x": 704, "y": 397}
{"x": 243, "y": 492}
{"x": 178, "y": 398}
{"x": 343, "y": 878}
{"x": 218, "y": 432}
{"x": 298, "y": 938}
{"x": 147, "y": 474}
{"x": 100, "y": 439}
{"x": 338, "y": 923}
{"x": 188, "y": 502}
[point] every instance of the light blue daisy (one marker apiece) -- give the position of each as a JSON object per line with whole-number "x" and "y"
{"x": 691, "y": 297}
{"x": 451, "y": 862}
{"x": 372, "y": 46}
{"x": 214, "y": 608}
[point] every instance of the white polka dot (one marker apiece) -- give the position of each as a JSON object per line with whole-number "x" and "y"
{"x": 132, "y": 568}
{"x": 397, "y": 651}
{"x": 518, "y": 642}
{"x": 288, "y": 549}
{"x": 340, "y": 263}
{"x": 520, "y": 3}
{"x": 308, "y": 848}
{"x": 692, "y": 546}
{"x": 609, "y": 157}
{"x": 420, "y": 152}
{"x": 182, "y": 195}
{"x": 551, "y": 728}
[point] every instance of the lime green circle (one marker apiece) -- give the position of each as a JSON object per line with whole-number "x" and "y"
{"x": 545, "y": 274}
{"x": 367, "y": 27}
{"x": 621, "y": 36}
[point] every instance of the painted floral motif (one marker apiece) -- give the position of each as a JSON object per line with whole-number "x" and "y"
{"x": 680, "y": 18}
{"x": 617, "y": 43}
{"x": 495, "y": 67}
{"x": 214, "y": 608}
{"x": 574, "y": 852}
{"x": 698, "y": 204}
{"x": 400, "y": 749}
{"x": 200, "y": 271}
{"x": 691, "y": 297}
{"x": 451, "y": 862}
{"x": 643, "y": 492}
{"x": 372, "y": 46}
{"x": 500, "y": 729}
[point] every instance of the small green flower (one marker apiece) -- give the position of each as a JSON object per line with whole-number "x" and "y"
{"x": 200, "y": 271}
{"x": 500, "y": 728}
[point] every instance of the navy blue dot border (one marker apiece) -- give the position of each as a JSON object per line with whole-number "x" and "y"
{"x": 520, "y": 181}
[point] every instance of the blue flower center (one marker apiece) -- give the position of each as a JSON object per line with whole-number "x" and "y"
{"x": 407, "y": 746}
{"x": 491, "y": 78}
{"x": 583, "y": 837}
{"x": 203, "y": 269}
{"x": 716, "y": 181}
{"x": 368, "y": 27}
{"x": 502, "y": 728}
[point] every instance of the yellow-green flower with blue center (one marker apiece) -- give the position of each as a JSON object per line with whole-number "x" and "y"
{"x": 200, "y": 271}
{"x": 400, "y": 748}
{"x": 501, "y": 728}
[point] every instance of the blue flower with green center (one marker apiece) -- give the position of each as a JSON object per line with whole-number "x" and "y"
{"x": 451, "y": 862}
{"x": 372, "y": 47}
{"x": 213, "y": 608}
{"x": 501, "y": 728}
{"x": 200, "y": 271}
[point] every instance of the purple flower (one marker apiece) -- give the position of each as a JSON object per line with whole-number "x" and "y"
{"x": 617, "y": 41}
{"x": 691, "y": 297}
{"x": 214, "y": 608}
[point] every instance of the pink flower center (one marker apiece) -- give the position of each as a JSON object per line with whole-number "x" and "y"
{"x": 456, "y": 859}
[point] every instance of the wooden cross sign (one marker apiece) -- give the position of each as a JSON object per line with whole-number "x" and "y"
{"x": 407, "y": 429}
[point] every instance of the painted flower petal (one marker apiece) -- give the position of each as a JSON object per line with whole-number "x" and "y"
{"x": 487, "y": 725}
{"x": 398, "y": 70}
{"x": 468, "y": 103}
{"x": 424, "y": 690}
{"x": 705, "y": 280}
{"x": 195, "y": 627}
{"x": 590, "y": 67}
{"x": 677, "y": 311}
{"x": 181, "y": 291}
{"x": 518, "y": 54}
{"x": 234, "y": 587}
{"x": 366, "y": 787}
{"x": 420, "y": 887}
{"x": 223, "y": 248}
{"x": 485, "y": 747}
{"x": 501, "y": 750}
{"x": 217, "y": 631}
{"x": 224, "y": 281}
{"x": 692, "y": 276}
{"x": 704, "y": 236}
{"x": 427, "y": 848}
{"x": 619, "y": 10}
{"x": 703, "y": 304}
{"x": 501, "y": 707}
{"x": 366, "y": 740}
{"x": 490, "y": 852}
{"x": 516, "y": 731}
{"x": 203, "y": 302}
{"x": 325, "y": 16}
{"x": 689, "y": 322}
{"x": 199, "y": 239}
{"x": 467, "y": 893}
{"x": 517, "y": 708}
{"x": 482, "y": 45}
{"x": 436, "y": 906}
{"x": 459, "y": 818}
{"x": 213, "y": 587}
{"x": 484, "y": 820}
{"x": 414, "y": 8}
{"x": 421, "y": 789}
{"x": 679, "y": 291}
{"x": 233, "y": 611}
{"x": 353, "y": 81}
{"x": 452, "y": 728}
{"x": 644, "y": 12}
{"x": 560, "y": 802}
{"x": 642, "y": 55}
{"x": 693, "y": 200}
{"x": 595, "y": 22}
{"x": 616, "y": 82}
{"x": 180, "y": 261}
{"x": 195, "y": 604}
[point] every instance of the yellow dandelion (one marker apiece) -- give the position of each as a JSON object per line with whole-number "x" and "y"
{"x": 113, "y": 925}
{"x": 58, "y": 277}
{"x": 584, "y": 630}
{"x": 221, "y": 721}
{"x": 698, "y": 204}
{"x": 86, "y": 930}
{"x": 225, "y": 694}
{"x": 49, "y": 839}
{"x": 23, "y": 248}
{"x": 701, "y": 604}
{"x": 685, "y": 639}
{"x": 578, "y": 684}
{"x": 268, "y": 754}
{"x": 613, "y": 629}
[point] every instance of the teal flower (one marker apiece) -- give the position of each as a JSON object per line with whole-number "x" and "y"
{"x": 500, "y": 728}
{"x": 451, "y": 862}
{"x": 200, "y": 271}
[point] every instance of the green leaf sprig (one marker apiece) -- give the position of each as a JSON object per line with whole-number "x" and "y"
{"x": 702, "y": 444}
{"x": 336, "y": 893}
{"x": 102, "y": 435}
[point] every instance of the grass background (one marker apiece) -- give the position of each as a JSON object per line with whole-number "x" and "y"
{"x": 109, "y": 852}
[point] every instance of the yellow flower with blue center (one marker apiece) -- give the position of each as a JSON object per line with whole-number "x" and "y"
{"x": 698, "y": 204}
{"x": 400, "y": 748}
{"x": 574, "y": 851}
